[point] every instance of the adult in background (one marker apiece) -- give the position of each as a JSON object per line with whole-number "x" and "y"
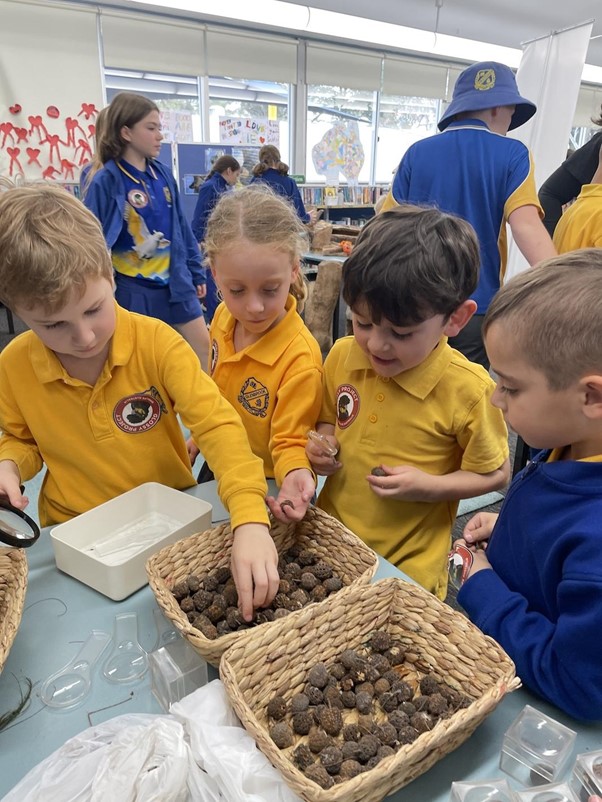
{"x": 223, "y": 176}
{"x": 272, "y": 171}
{"x": 472, "y": 170}
{"x": 155, "y": 256}
{"x": 565, "y": 182}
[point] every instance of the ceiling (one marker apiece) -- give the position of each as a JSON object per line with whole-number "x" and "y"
{"x": 506, "y": 23}
{"x": 499, "y": 22}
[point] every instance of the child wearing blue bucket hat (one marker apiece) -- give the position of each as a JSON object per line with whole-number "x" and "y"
{"x": 472, "y": 170}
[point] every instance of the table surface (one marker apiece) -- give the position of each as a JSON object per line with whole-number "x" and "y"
{"x": 315, "y": 257}
{"x": 59, "y": 614}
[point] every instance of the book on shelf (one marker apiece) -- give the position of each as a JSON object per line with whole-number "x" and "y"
{"x": 345, "y": 195}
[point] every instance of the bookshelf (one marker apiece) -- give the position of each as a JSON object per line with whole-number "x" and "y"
{"x": 352, "y": 205}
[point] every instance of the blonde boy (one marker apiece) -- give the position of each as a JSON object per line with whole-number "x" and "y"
{"x": 93, "y": 391}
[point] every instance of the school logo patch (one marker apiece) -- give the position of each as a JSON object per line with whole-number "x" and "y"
{"x": 214, "y": 355}
{"x": 137, "y": 198}
{"x": 254, "y": 397}
{"x": 348, "y": 405}
{"x": 139, "y": 412}
{"x": 167, "y": 193}
{"x": 484, "y": 80}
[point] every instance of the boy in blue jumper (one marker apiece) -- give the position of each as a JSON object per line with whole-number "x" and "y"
{"x": 537, "y": 588}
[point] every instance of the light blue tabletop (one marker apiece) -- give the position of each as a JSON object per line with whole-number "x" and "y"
{"x": 59, "y": 614}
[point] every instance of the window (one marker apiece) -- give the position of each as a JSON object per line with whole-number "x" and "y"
{"x": 401, "y": 122}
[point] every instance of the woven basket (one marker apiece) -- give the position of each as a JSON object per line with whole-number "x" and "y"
{"x": 276, "y": 660}
{"x": 349, "y": 557}
{"x": 13, "y": 584}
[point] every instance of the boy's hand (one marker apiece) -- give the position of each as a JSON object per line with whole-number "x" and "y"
{"x": 254, "y": 567}
{"x": 193, "y": 450}
{"x": 404, "y": 483}
{"x": 10, "y": 484}
{"x": 323, "y": 463}
{"x": 298, "y": 488}
{"x": 479, "y": 527}
{"x": 480, "y": 562}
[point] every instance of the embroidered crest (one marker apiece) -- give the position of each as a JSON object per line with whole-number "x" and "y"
{"x": 254, "y": 397}
{"x": 348, "y": 405}
{"x": 484, "y": 79}
{"x": 167, "y": 193}
{"x": 214, "y": 355}
{"x": 139, "y": 412}
{"x": 137, "y": 198}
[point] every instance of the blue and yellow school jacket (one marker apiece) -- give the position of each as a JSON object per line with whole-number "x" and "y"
{"x": 106, "y": 198}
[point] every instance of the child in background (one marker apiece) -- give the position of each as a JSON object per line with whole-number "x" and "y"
{"x": 581, "y": 224}
{"x": 537, "y": 589}
{"x": 263, "y": 358}
{"x": 156, "y": 258}
{"x": 273, "y": 172}
{"x": 399, "y": 400}
{"x": 223, "y": 176}
{"x": 94, "y": 391}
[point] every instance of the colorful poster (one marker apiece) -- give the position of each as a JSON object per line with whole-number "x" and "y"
{"x": 249, "y": 131}
{"x": 46, "y": 143}
{"x": 176, "y": 126}
{"x": 339, "y": 150}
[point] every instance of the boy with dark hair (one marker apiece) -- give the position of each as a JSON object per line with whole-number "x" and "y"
{"x": 537, "y": 589}
{"x": 94, "y": 391}
{"x": 398, "y": 398}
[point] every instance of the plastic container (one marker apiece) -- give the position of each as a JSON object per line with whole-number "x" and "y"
{"x": 536, "y": 748}
{"x": 108, "y": 546}
{"x": 481, "y": 791}
{"x": 176, "y": 671}
{"x": 555, "y": 792}
{"x": 586, "y": 777}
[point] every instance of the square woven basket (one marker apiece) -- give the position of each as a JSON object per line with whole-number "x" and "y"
{"x": 13, "y": 584}
{"x": 440, "y": 641}
{"x": 349, "y": 557}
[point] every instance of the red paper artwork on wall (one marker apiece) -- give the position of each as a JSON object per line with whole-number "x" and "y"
{"x": 50, "y": 145}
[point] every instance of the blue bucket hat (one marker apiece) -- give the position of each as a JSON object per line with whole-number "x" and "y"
{"x": 483, "y": 86}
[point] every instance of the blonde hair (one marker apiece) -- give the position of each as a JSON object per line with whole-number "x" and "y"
{"x": 260, "y": 216}
{"x": 50, "y": 247}
{"x": 554, "y": 312}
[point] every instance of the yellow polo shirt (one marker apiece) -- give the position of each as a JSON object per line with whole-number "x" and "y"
{"x": 436, "y": 417}
{"x": 274, "y": 384}
{"x": 98, "y": 442}
{"x": 581, "y": 224}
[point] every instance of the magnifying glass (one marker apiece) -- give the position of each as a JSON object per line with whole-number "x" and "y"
{"x": 16, "y": 528}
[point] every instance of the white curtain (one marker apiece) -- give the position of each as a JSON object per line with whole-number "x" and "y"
{"x": 549, "y": 74}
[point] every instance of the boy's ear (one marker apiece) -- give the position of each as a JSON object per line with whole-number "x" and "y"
{"x": 459, "y": 318}
{"x": 592, "y": 388}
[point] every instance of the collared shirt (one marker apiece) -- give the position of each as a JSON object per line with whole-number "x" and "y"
{"x": 581, "y": 224}
{"x": 436, "y": 417}
{"x": 275, "y": 385}
{"x": 481, "y": 176}
{"x": 142, "y": 249}
{"x": 100, "y": 441}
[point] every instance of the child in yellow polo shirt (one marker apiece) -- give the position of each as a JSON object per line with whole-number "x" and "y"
{"x": 264, "y": 359}
{"x": 94, "y": 391}
{"x": 398, "y": 399}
